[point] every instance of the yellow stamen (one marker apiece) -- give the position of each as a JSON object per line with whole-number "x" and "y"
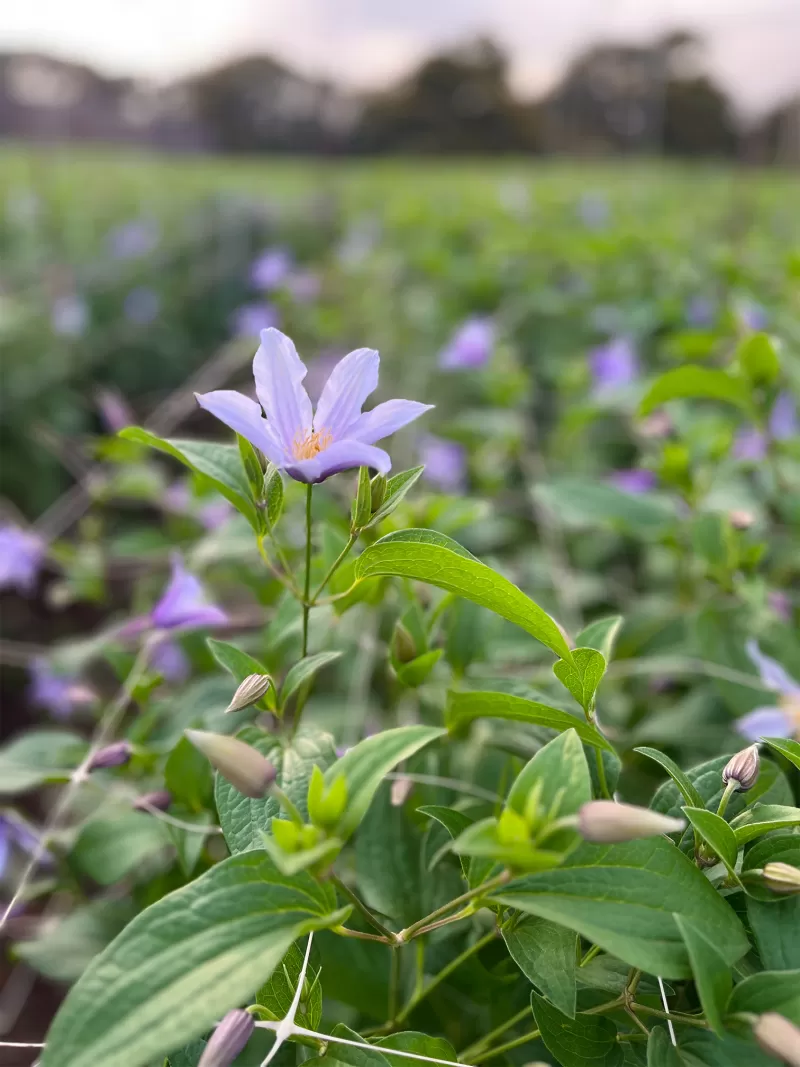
{"x": 791, "y": 705}
{"x": 311, "y": 445}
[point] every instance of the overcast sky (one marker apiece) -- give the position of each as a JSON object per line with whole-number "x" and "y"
{"x": 753, "y": 45}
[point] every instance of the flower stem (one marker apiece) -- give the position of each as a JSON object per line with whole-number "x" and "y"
{"x": 601, "y": 774}
{"x": 359, "y": 904}
{"x": 481, "y": 890}
{"x": 307, "y": 586}
{"x": 730, "y": 789}
{"x": 515, "y": 1043}
{"x": 498, "y": 1031}
{"x": 440, "y": 977}
{"x": 686, "y": 1020}
{"x": 334, "y": 567}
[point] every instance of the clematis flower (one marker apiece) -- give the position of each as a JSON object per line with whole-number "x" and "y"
{"x": 177, "y": 499}
{"x": 636, "y": 481}
{"x": 114, "y": 410}
{"x": 15, "y": 832}
{"x": 445, "y": 463}
{"x": 21, "y": 555}
{"x": 780, "y": 604}
{"x": 471, "y": 345}
{"x": 311, "y": 446}
{"x": 170, "y": 661}
{"x": 304, "y": 286}
{"x": 183, "y": 606}
{"x": 69, "y": 316}
{"x": 133, "y": 239}
{"x": 270, "y": 269}
{"x": 613, "y": 365}
{"x": 750, "y": 444}
{"x": 700, "y": 311}
{"x": 751, "y": 315}
{"x": 778, "y": 720}
{"x": 57, "y": 693}
{"x": 250, "y": 319}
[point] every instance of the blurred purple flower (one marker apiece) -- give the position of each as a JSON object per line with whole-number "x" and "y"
{"x": 21, "y": 555}
{"x": 594, "y": 211}
{"x": 160, "y": 799}
{"x": 270, "y": 269}
{"x": 142, "y": 306}
{"x": 637, "y": 480}
{"x": 183, "y": 606}
{"x": 114, "y": 410}
{"x": 751, "y": 315}
{"x": 780, "y": 604}
{"x": 15, "y": 832}
{"x": 749, "y": 445}
{"x": 177, "y": 498}
{"x": 57, "y": 693}
{"x": 250, "y": 319}
{"x": 69, "y": 315}
{"x": 613, "y": 366}
{"x": 215, "y": 514}
{"x": 777, "y": 720}
{"x": 445, "y": 463}
{"x": 113, "y": 755}
{"x": 170, "y": 661}
{"x": 783, "y": 421}
{"x": 700, "y": 311}
{"x": 304, "y": 286}
{"x": 310, "y": 446}
{"x": 134, "y": 239}
{"x": 471, "y": 346}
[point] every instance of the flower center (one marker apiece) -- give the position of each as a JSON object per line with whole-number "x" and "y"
{"x": 791, "y": 705}
{"x": 311, "y": 445}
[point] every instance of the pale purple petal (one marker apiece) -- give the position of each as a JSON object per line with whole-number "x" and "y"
{"x": 350, "y": 383}
{"x": 5, "y": 845}
{"x": 752, "y": 315}
{"x": 471, "y": 346}
{"x": 445, "y": 463}
{"x": 56, "y": 693}
{"x": 700, "y": 311}
{"x": 749, "y": 445}
{"x": 340, "y": 456}
{"x": 114, "y": 410}
{"x": 21, "y": 555}
{"x": 215, "y": 514}
{"x": 781, "y": 604}
{"x": 170, "y": 661}
{"x": 134, "y": 239}
{"x": 613, "y": 365}
{"x": 764, "y": 722}
{"x": 244, "y": 417}
{"x": 771, "y": 672}
{"x": 69, "y": 316}
{"x": 385, "y": 419}
{"x": 783, "y": 422}
{"x": 304, "y": 285}
{"x": 270, "y": 269}
{"x": 633, "y": 481}
{"x": 250, "y": 319}
{"x": 184, "y": 603}
{"x": 279, "y": 374}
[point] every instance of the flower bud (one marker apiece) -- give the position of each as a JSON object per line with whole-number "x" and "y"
{"x": 362, "y": 505}
{"x": 606, "y": 822}
{"x": 741, "y": 519}
{"x": 378, "y": 486}
{"x": 780, "y": 1038}
{"x": 742, "y": 768}
{"x": 111, "y": 756}
{"x": 244, "y": 767}
{"x": 228, "y": 1040}
{"x": 403, "y": 646}
{"x": 326, "y": 804}
{"x": 160, "y": 799}
{"x": 782, "y": 877}
{"x": 252, "y": 689}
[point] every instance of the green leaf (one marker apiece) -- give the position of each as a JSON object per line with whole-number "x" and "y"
{"x": 482, "y": 842}
{"x": 185, "y": 961}
{"x": 583, "y": 675}
{"x": 700, "y": 1048}
{"x": 787, "y": 748}
{"x": 776, "y": 928}
{"x": 188, "y": 1056}
{"x": 242, "y": 818}
{"x": 396, "y": 488}
{"x": 188, "y": 776}
{"x": 546, "y": 954}
{"x": 696, "y": 382}
{"x": 686, "y": 787}
{"x": 712, "y": 973}
{"x": 348, "y": 1056}
{"x": 758, "y": 359}
{"x": 581, "y": 503}
{"x": 220, "y": 464}
{"x": 273, "y": 495}
{"x": 63, "y": 951}
{"x": 423, "y": 556}
{"x": 365, "y": 766}
{"x": 276, "y": 995}
{"x": 302, "y": 672}
{"x": 783, "y": 846}
{"x": 476, "y": 869}
{"x": 601, "y": 634}
{"x": 768, "y": 991}
{"x": 660, "y": 1050}
{"x": 362, "y": 505}
{"x": 233, "y": 660}
{"x": 464, "y": 707}
{"x": 761, "y": 819}
{"x": 622, "y": 897}
{"x": 417, "y": 671}
{"x": 109, "y": 848}
{"x": 585, "y": 1041}
{"x": 717, "y": 834}
{"x": 560, "y": 772}
{"x": 39, "y": 756}
{"x": 252, "y": 466}
{"x": 420, "y": 1044}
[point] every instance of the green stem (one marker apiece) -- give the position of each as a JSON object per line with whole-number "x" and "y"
{"x": 359, "y": 904}
{"x": 517, "y": 1041}
{"x": 284, "y": 578}
{"x": 361, "y": 935}
{"x": 686, "y": 1020}
{"x": 394, "y": 983}
{"x": 286, "y": 804}
{"x": 601, "y": 774}
{"x": 335, "y": 566}
{"x": 307, "y": 586}
{"x": 444, "y": 973}
{"x": 481, "y": 890}
{"x": 590, "y": 955}
{"x": 730, "y": 789}
{"x": 498, "y": 1031}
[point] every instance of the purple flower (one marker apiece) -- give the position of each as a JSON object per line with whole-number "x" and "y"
{"x": 636, "y": 480}
{"x": 783, "y": 422}
{"x": 57, "y": 693}
{"x": 613, "y": 366}
{"x": 21, "y": 555}
{"x": 270, "y": 270}
{"x": 700, "y": 311}
{"x": 142, "y": 305}
{"x": 228, "y": 1040}
{"x": 749, "y": 445}
{"x": 752, "y": 315}
{"x": 69, "y": 316}
{"x": 177, "y": 498}
{"x": 777, "y": 720}
{"x": 170, "y": 661}
{"x": 160, "y": 799}
{"x": 114, "y": 410}
{"x": 445, "y": 463}
{"x": 471, "y": 346}
{"x": 134, "y": 239}
{"x": 113, "y": 755}
{"x": 594, "y": 211}
{"x": 304, "y": 285}
{"x": 15, "y": 832}
{"x": 780, "y": 604}
{"x": 250, "y": 319}
{"x": 183, "y": 606}
{"x": 311, "y": 446}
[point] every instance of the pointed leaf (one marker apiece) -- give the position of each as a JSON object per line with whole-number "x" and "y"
{"x": 701, "y": 382}
{"x": 788, "y": 748}
{"x": 583, "y": 675}
{"x": 476, "y": 869}
{"x": 686, "y": 787}
{"x": 585, "y": 1041}
{"x": 303, "y": 672}
{"x": 559, "y": 770}
{"x": 761, "y": 819}
{"x": 38, "y": 756}
{"x": 601, "y": 634}
{"x": 396, "y": 488}
{"x": 464, "y": 707}
{"x": 712, "y": 973}
{"x": 546, "y": 954}
{"x": 420, "y": 1044}
{"x": 717, "y": 834}
{"x": 768, "y": 991}
{"x": 277, "y": 993}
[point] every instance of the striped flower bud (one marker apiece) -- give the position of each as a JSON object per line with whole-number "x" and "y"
{"x": 244, "y": 767}
{"x": 160, "y": 799}
{"x": 782, "y": 877}
{"x": 606, "y": 822}
{"x": 252, "y": 689}
{"x": 111, "y": 756}
{"x": 742, "y": 768}
{"x": 228, "y": 1040}
{"x": 778, "y": 1037}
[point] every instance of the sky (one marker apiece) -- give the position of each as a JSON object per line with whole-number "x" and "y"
{"x": 752, "y": 45}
